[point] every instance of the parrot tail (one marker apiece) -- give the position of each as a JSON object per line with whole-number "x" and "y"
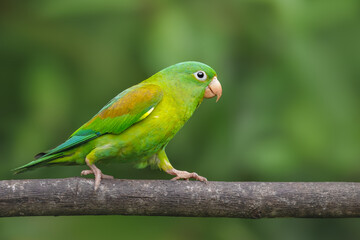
{"x": 40, "y": 159}
{"x": 60, "y": 151}
{"x": 40, "y": 155}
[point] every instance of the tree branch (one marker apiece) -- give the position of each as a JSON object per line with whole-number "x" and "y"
{"x": 76, "y": 196}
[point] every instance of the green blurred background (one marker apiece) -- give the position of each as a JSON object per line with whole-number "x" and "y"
{"x": 289, "y": 111}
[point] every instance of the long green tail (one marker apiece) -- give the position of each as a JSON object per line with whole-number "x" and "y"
{"x": 42, "y": 160}
{"x": 58, "y": 152}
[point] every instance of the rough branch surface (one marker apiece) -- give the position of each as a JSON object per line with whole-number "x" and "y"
{"x": 76, "y": 196}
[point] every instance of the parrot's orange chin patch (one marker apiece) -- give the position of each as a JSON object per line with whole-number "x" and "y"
{"x": 214, "y": 89}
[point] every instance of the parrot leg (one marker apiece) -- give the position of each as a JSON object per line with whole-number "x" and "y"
{"x": 97, "y": 172}
{"x": 166, "y": 166}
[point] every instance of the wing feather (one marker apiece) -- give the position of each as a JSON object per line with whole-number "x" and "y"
{"x": 126, "y": 109}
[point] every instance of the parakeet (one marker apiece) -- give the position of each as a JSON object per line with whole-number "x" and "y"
{"x": 137, "y": 124}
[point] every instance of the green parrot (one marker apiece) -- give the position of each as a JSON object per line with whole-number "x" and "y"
{"x": 137, "y": 124}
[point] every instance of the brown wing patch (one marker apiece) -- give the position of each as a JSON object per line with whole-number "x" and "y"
{"x": 132, "y": 103}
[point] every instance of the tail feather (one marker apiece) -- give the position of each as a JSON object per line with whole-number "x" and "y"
{"x": 41, "y": 159}
{"x": 58, "y": 152}
{"x": 40, "y": 155}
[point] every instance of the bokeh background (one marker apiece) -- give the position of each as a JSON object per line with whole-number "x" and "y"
{"x": 290, "y": 109}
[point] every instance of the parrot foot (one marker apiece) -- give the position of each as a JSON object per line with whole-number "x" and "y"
{"x": 104, "y": 176}
{"x": 97, "y": 172}
{"x": 185, "y": 175}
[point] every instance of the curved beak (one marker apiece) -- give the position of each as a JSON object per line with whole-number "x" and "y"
{"x": 214, "y": 89}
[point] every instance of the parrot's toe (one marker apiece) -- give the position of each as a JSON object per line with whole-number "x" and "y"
{"x": 97, "y": 172}
{"x": 86, "y": 172}
{"x": 186, "y": 175}
{"x": 104, "y": 176}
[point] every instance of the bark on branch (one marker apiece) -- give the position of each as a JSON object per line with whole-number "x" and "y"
{"x": 76, "y": 196}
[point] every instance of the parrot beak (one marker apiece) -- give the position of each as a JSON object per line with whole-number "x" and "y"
{"x": 214, "y": 89}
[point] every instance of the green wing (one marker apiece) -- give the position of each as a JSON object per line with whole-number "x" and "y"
{"x": 126, "y": 109}
{"x": 129, "y": 107}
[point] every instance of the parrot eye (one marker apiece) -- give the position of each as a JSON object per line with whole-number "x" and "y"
{"x": 200, "y": 75}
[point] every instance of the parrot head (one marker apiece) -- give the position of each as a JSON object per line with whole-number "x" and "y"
{"x": 194, "y": 75}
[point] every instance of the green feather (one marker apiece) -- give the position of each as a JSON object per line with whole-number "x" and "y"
{"x": 124, "y": 110}
{"x": 37, "y": 162}
{"x": 72, "y": 142}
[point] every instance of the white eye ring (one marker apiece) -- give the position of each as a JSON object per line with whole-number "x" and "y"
{"x": 200, "y": 75}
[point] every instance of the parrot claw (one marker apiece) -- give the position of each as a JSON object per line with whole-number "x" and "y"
{"x": 86, "y": 172}
{"x": 103, "y": 176}
{"x": 97, "y": 172}
{"x": 185, "y": 175}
